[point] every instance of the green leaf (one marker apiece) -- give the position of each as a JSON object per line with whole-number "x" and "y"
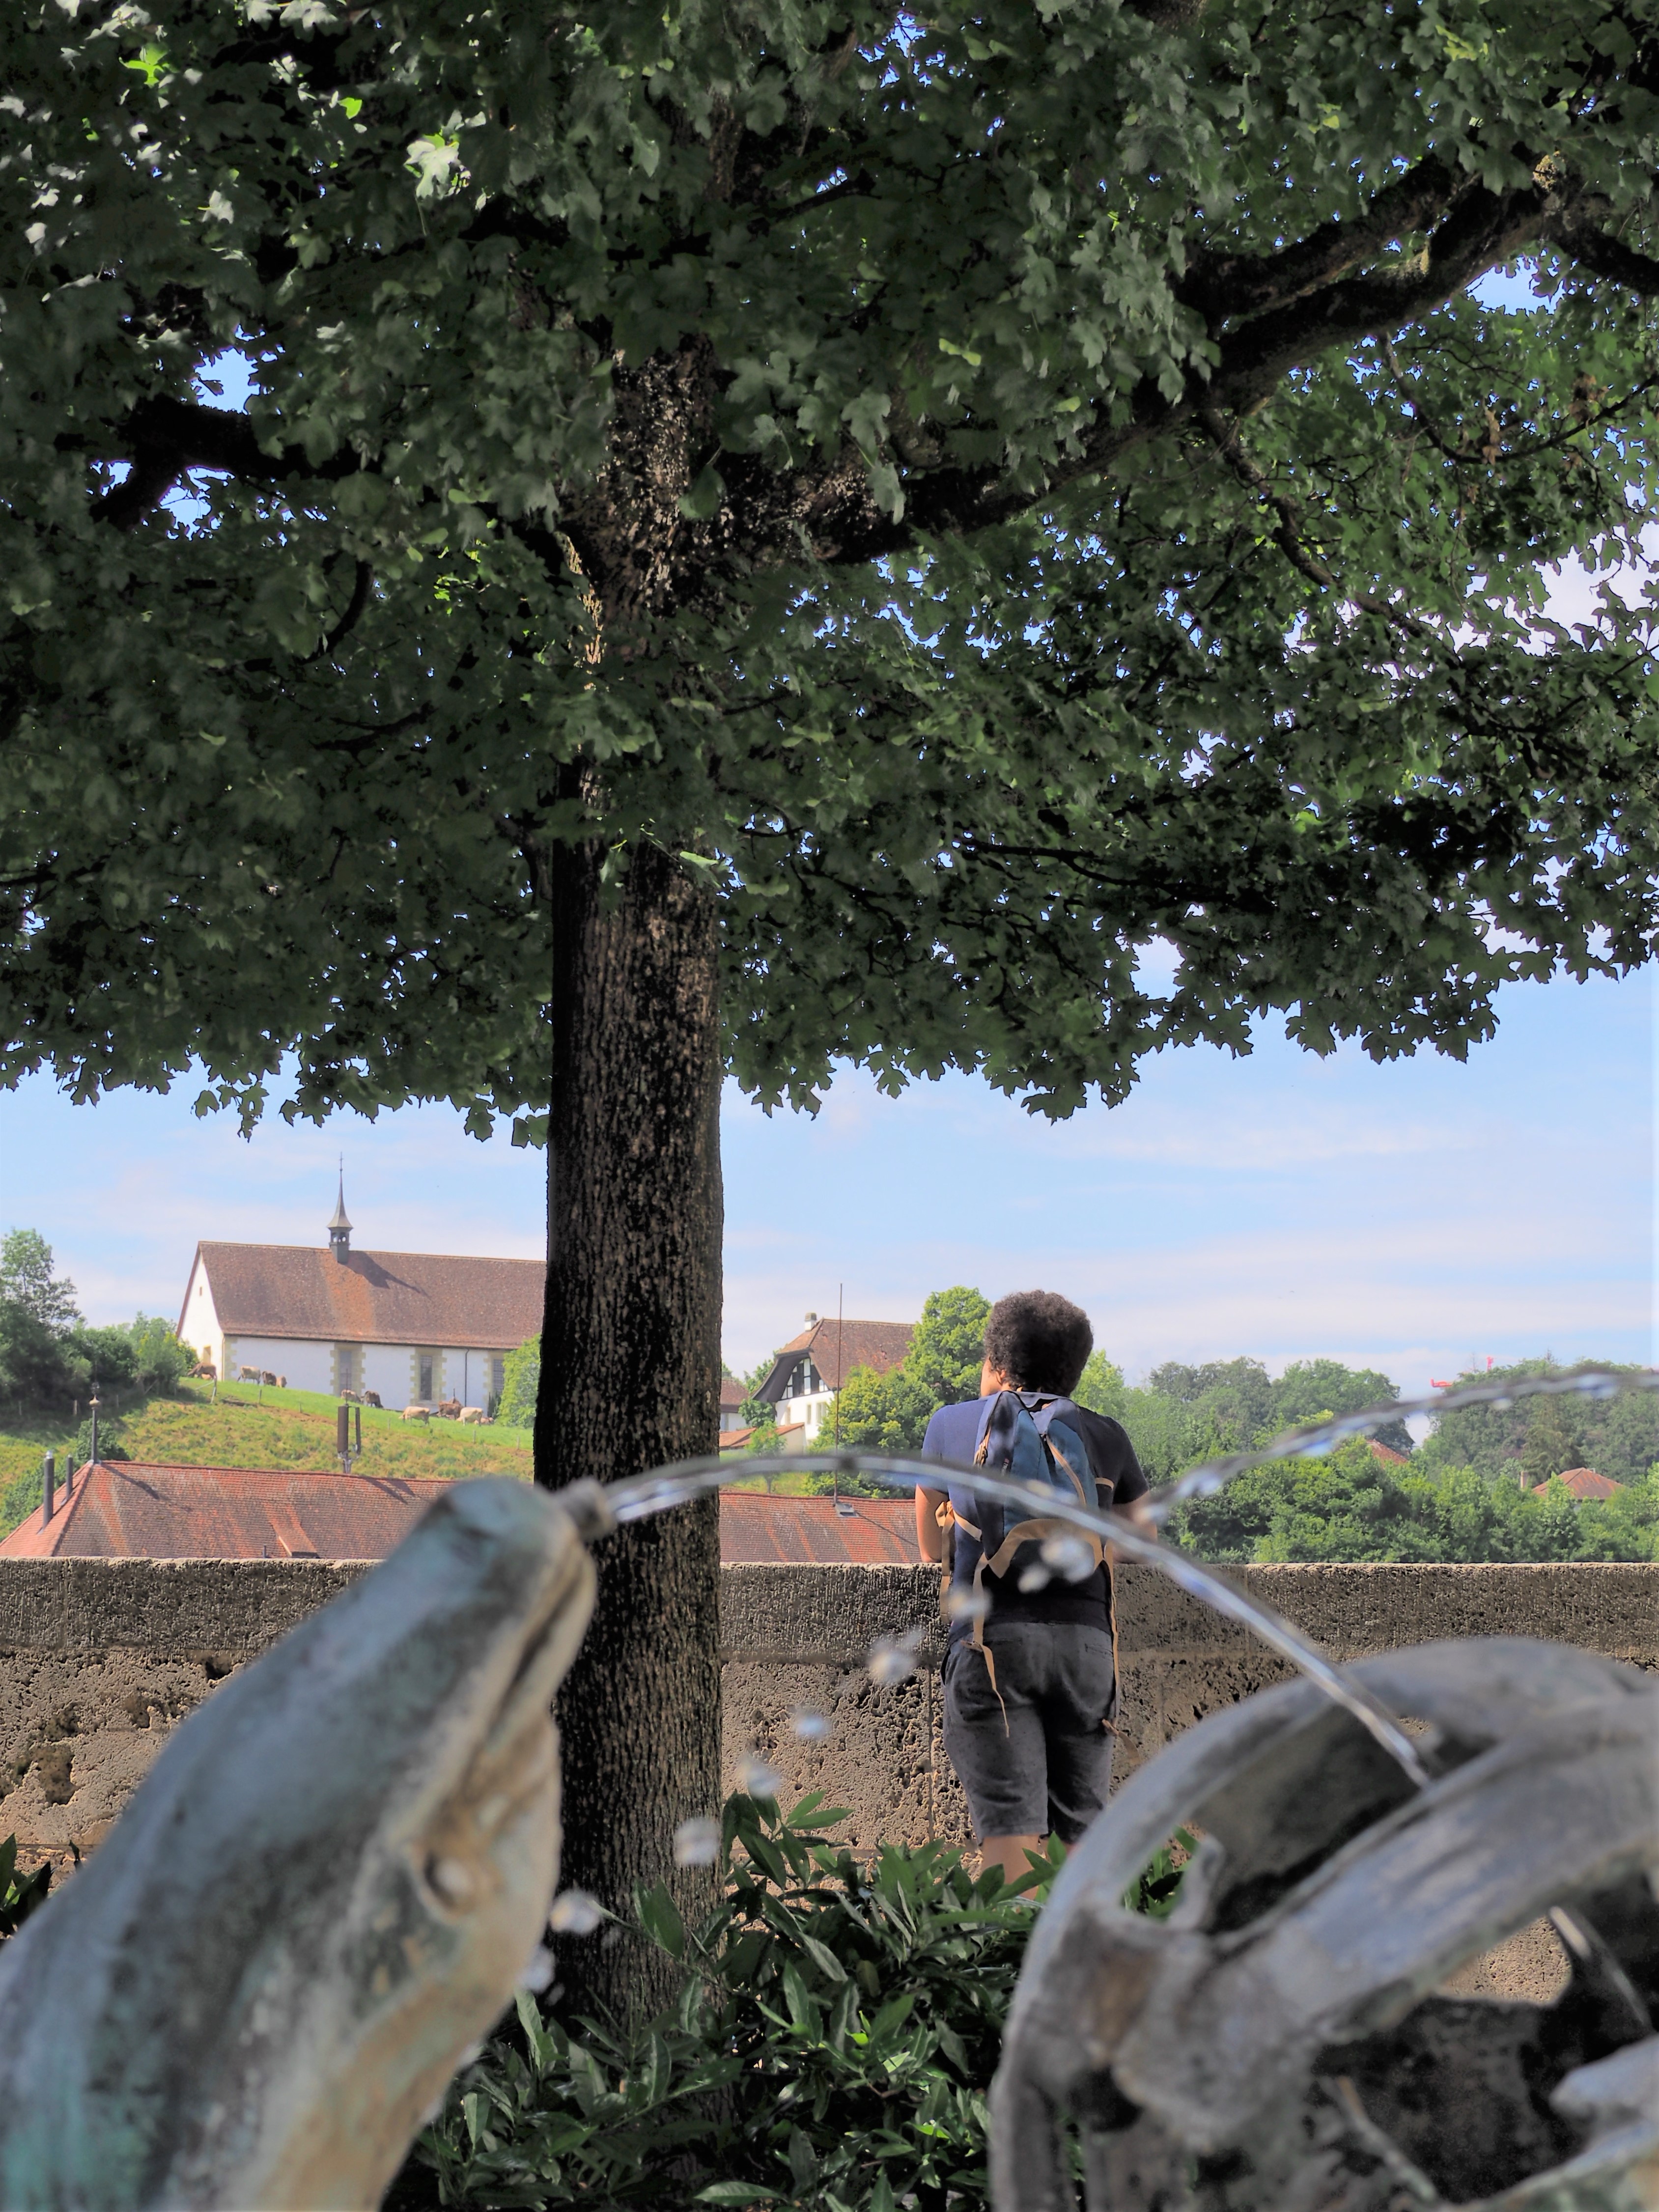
{"x": 659, "y": 1918}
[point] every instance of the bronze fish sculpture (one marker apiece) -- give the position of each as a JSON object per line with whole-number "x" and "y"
{"x": 1283, "y": 2042}
{"x": 320, "y": 1896}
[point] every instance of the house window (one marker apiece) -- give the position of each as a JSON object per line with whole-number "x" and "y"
{"x": 348, "y": 1370}
{"x": 497, "y": 1373}
{"x": 426, "y": 1372}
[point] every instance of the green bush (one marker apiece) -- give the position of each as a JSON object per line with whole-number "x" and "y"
{"x": 521, "y": 1377}
{"x": 19, "y": 1894}
{"x": 832, "y": 2044}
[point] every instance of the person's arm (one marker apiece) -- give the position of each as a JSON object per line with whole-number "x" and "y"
{"x": 930, "y": 1537}
{"x": 1138, "y": 1510}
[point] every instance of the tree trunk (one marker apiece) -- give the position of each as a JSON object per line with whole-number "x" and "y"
{"x": 630, "y": 1379}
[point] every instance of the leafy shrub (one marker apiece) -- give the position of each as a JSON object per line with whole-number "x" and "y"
{"x": 832, "y": 2044}
{"x": 521, "y": 1378}
{"x": 19, "y": 1894}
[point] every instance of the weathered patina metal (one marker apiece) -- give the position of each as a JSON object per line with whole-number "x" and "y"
{"x": 1281, "y": 2043}
{"x": 320, "y": 1896}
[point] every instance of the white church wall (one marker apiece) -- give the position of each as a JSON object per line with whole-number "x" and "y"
{"x": 198, "y": 1324}
{"x": 385, "y": 1369}
{"x": 468, "y": 1374}
{"x": 307, "y": 1366}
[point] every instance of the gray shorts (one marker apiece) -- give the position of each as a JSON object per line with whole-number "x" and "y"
{"x": 1039, "y": 1763}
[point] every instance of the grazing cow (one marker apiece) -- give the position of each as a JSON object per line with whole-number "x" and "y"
{"x": 204, "y": 1371}
{"x": 417, "y": 1412}
{"x": 450, "y": 1408}
{"x": 267, "y": 1380}
{"x": 247, "y": 1374}
{"x": 470, "y": 1414}
{"x": 372, "y": 1398}
{"x": 350, "y": 1398}
{"x": 281, "y": 1381}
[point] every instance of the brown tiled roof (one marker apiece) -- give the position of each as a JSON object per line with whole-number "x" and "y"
{"x": 127, "y": 1509}
{"x": 374, "y": 1297}
{"x": 1585, "y": 1482}
{"x": 732, "y": 1393}
{"x": 837, "y": 1348}
{"x": 758, "y": 1530}
{"x": 1387, "y": 1454}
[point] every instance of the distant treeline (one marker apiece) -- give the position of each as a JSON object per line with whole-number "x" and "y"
{"x": 1466, "y": 1493}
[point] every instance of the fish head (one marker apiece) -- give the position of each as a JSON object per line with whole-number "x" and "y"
{"x": 321, "y": 1895}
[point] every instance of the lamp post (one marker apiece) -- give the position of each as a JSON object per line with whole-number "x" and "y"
{"x": 92, "y": 1407}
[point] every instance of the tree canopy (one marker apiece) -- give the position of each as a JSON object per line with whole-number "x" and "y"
{"x": 993, "y": 491}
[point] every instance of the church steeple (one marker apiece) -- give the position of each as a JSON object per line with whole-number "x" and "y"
{"x": 339, "y": 1230}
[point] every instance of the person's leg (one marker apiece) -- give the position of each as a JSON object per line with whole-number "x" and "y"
{"x": 1011, "y": 1854}
{"x": 1076, "y": 1698}
{"x": 993, "y": 1739}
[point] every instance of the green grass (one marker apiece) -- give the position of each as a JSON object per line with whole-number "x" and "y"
{"x": 249, "y": 1427}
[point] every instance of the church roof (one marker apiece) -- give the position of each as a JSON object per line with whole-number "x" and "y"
{"x": 837, "y": 1348}
{"x": 372, "y": 1298}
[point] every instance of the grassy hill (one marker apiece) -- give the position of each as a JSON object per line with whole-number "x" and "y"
{"x": 251, "y": 1428}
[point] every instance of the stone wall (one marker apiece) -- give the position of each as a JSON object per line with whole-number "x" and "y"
{"x": 796, "y": 1638}
{"x": 100, "y": 1659}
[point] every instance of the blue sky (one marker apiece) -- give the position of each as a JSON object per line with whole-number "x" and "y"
{"x": 1418, "y": 1216}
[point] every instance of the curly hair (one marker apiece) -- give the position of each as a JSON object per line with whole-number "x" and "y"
{"x": 1039, "y": 1341}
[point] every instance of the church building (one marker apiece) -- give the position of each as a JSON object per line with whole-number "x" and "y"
{"x": 414, "y": 1327}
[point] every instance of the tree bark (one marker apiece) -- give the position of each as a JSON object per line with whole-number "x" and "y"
{"x": 630, "y": 1379}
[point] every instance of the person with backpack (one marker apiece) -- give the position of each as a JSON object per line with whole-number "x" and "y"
{"x": 1031, "y": 1675}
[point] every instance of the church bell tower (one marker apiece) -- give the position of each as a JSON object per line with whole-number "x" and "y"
{"x": 339, "y": 1230}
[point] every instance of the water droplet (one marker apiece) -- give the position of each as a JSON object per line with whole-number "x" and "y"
{"x": 811, "y": 1726}
{"x": 538, "y": 1971}
{"x": 967, "y": 1604}
{"x": 697, "y": 1843}
{"x": 756, "y": 1778}
{"x": 575, "y": 1913}
{"x": 1068, "y": 1557}
{"x": 1035, "y": 1578}
{"x": 893, "y": 1658}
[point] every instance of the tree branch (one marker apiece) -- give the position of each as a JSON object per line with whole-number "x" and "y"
{"x": 1224, "y": 435}
{"x": 1223, "y": 285}
{"x": 1580, "y": 240}
{"x": 166, "y": 437}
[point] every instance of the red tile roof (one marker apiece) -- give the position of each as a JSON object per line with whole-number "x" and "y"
{"x": 1585, "y": 1482}
{"x": 756, "y": 1529}
{"x": 1387, "y": 1454}
{"x": 732, "y": 1393}
{"x": 838, "y": 1347}
{"x": 132, "y": 1509}
{"x": 122, "y": 1510}
{"x": 374, "y": 1297}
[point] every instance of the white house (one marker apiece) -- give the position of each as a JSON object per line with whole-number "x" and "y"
{"x": 413, "y": 1327}
{"x": 807, "y": 1372}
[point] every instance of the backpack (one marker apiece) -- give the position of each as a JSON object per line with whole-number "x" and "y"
{"x": 1031, "y": 1436}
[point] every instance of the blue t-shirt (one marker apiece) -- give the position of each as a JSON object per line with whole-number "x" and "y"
{"x": 955, "y": 1433}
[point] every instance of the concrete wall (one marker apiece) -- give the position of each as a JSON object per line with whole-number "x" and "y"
{"x": 100, "y": 1659}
